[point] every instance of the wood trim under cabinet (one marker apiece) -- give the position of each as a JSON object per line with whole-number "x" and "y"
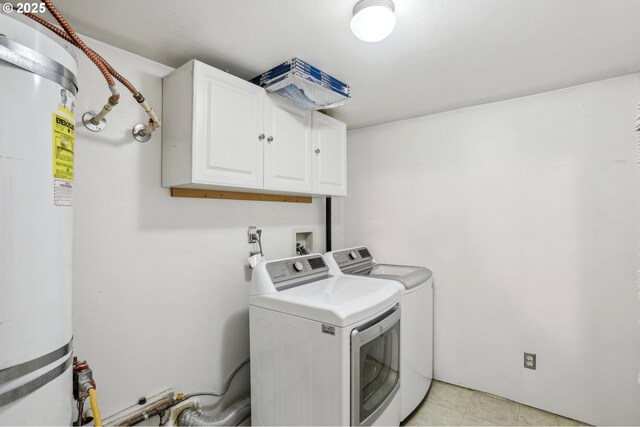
{"x": 215, "y": 194}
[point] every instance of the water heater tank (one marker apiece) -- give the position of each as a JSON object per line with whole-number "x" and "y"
{"x": 38, "y": 87}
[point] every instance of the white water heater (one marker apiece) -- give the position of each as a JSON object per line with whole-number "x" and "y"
{"x": 37, "y": 88}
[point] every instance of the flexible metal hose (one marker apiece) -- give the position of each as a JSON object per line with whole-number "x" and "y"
{"x": 69, "y": 35}
{"x": 95, "y": 409}
{"x": 232, "y": 416}
{"x": 90, "y": 54}
{"x": 60, "y": 33}
{"x": 226, "y": 386}
{"x": 94, "y": 57}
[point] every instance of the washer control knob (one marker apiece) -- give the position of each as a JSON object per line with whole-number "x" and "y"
{"x": 298, "y": 266}
{"x": 353, "y": 255}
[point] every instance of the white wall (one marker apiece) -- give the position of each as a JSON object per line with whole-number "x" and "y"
{"x": 528, "y": 212}
{"x": 160, "y": 286}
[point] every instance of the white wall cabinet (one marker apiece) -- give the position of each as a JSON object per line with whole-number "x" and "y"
{"x": 287, "y": 151}
{"x": 228, "y": 120}
{"x": 221, "y": 132}
{"x": 330, "y": 156}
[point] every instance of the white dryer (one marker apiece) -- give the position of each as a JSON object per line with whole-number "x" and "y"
{"x": 325, "y": 350}
{"x": 416, "y": 348}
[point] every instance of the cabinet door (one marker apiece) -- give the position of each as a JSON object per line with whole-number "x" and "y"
{"x": 228, "y": 122}
{"x": 287, "y": 149}
{"x": 330, "y": 156}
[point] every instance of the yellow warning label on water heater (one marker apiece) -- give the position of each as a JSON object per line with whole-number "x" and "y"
{"x": 63, "y": 137}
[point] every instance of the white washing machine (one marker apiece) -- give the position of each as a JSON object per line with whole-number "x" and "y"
{"x": 325, "y": 350}
{"x": 416, "y": 348}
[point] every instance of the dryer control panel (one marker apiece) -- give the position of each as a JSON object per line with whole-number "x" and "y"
{"x": 352, "y": 257}
{"x": 297, "y": 271}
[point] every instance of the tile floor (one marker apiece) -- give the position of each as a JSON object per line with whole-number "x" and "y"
{"x": 450, "y": 405}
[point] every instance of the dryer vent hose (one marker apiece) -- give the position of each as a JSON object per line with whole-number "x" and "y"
{"x": 232, "y": 416}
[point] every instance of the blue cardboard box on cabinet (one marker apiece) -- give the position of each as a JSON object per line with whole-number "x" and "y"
{"x": 304, "y": 84}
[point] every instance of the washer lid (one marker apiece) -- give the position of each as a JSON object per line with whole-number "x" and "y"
{"x": 409, "y": 276}
{"x": 339, "y": 301}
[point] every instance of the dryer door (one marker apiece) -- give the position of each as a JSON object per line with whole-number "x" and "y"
{"x": 375, "y": 366}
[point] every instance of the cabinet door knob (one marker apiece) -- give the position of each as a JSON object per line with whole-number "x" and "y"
{"x": 270, "y": 139}
{"x": 261, "y": 137}
{"x": 317, "y": 151}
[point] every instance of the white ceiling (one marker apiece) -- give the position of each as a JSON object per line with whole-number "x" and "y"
{"x": 443, "y": 54}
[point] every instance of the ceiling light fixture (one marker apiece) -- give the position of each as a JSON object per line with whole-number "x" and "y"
{"x": 373, "y": 20}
